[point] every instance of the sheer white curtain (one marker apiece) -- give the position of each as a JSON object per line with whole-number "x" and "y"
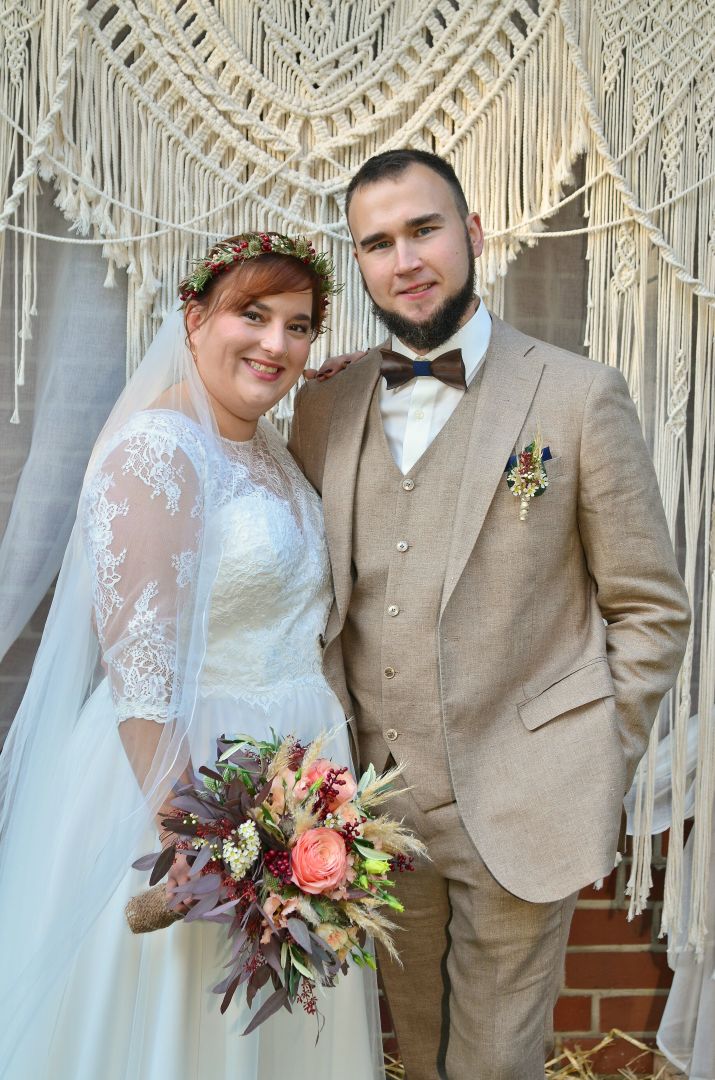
{"x": 75, "y": 369}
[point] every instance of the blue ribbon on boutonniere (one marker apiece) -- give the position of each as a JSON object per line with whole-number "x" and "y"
{"x": 545, "y": 456}
{"x": 525, "y": 473}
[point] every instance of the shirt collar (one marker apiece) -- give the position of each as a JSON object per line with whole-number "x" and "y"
{"x": 472, "y": 339}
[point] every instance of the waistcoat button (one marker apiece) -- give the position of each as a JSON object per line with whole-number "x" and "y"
{"x": 391, "y": 735}
{"x": 402, "y": 545}
{"x": 390, "y": 673}
{"x": 393, "y": 610}
{"x": 408, "y": 484}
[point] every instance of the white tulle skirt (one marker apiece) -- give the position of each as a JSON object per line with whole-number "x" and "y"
{"x": 140, "y": 1007}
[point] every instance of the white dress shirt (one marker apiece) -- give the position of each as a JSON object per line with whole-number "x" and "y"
{"x": 414, "y": 414}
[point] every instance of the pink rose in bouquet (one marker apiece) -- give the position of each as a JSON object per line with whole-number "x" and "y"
{"x": 341, "y": 784}
{"x": 319, "y": 861}
{"x": 335, "y": 936}
{"x": 348, "y": 814}
{"x": 282, "y": 782}
{"x": 340, "y": 940}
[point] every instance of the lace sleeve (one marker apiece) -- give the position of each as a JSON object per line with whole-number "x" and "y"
{"x": 142, "y": 525}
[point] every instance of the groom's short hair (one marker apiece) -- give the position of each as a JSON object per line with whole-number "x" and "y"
{"x": 392, "y": 163}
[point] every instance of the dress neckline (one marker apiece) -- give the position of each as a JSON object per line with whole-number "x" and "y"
{"x": 241, "y": 447}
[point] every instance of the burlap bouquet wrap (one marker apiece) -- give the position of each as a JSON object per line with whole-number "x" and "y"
{"x": 148, "y": 911}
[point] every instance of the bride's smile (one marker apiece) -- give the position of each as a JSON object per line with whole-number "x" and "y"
{"x": 249, "y": 358}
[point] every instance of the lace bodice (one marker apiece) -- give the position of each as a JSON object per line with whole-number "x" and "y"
{"x": 169, "y": 501}
{"x": 272, "y": 593}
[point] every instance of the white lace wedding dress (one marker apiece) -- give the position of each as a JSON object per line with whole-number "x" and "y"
{"x": 141, "y": 1007}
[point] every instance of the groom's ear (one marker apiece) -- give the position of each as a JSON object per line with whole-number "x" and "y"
{"x": 475, "y": 233}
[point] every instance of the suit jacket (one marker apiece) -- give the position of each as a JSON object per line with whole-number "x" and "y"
{"x": 558, "y": 635}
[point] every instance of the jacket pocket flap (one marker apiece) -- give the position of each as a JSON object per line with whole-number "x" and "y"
{"x": 583, "y": 685}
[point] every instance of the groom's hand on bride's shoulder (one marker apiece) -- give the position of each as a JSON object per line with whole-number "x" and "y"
{"x": 333, "y": 365}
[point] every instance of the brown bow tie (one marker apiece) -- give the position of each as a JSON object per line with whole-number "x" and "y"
{"x": 399, "y": 369}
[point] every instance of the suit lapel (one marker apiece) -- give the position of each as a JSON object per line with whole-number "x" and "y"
{"x": 508, "y": 387}
{"x": 347, "y": 426}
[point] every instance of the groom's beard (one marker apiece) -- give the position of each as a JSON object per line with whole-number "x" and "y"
{"x": 440, "y": 326}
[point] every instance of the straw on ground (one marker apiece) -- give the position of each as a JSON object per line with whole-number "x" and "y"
{"x": 577, "y": 1064}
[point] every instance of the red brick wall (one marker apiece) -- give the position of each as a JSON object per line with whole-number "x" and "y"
{"x": 617, "y": 974}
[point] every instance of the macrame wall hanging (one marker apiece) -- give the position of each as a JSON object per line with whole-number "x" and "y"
{"x": 163, "y": 123}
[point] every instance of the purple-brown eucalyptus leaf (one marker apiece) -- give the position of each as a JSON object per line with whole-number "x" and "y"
{"x": 253, "y": 918}
{"x": 180, "y": 827}
{"x": 223, "y": 986}
{"x": 239, "y": 943}
{"x": 228, "y": 995}
{"x": 257, "y": 981}
{"x": 271, "y": 951}
{"x": 163, "y": 864}
{"x": 206, "y": 884}
{"x": 277, "y": 1000}
{"x": 234, "y": 791}
{"x": 323, "y": 950}
{"x": 146, "y": 862}
{"x": 238, "y": 925}
{"x": 199, "y": 909}
{"x": 204, "y": 856}
{"x": 223, "y": 909}
{"x": 321, "y": 947}
{"x": 190, "y": 804}
{"x": 300, "y": 934}
{"x": 205, "y": 771}
{"x": 263, "y": 793}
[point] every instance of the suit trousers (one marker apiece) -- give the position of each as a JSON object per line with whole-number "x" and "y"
{"x": 482, "y": 968}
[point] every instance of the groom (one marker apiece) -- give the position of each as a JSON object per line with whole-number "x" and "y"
{"x": 511, "y": 651}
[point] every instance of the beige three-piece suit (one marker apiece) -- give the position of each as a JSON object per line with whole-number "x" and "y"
{"x": 515, "y": 666}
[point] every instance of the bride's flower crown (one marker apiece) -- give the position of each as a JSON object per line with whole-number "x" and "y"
{"x": 225, "y": 254}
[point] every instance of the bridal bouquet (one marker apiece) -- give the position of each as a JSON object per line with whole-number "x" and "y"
{"x": 287, "y": 850}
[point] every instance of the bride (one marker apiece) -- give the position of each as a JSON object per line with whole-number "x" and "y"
{"x": 191, "y": 603}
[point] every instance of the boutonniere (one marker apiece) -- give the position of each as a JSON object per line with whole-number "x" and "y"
{"x": 526, "y": 475}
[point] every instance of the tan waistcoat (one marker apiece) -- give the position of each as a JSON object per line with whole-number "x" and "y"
{"x": 402, "y": 529}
